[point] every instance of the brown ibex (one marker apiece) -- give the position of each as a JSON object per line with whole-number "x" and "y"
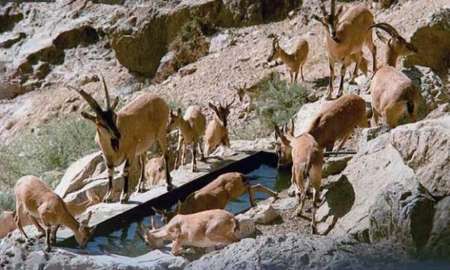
{"x": 307, "y": 161}
{"x": 347, "y": 32}
{"x": 126, "y": 135}
{"x": 393, "y": 93}
{"x": 294, "y": 61}
{"x": 216, "y": 133}
{"x": 218, "y": 193}
{"x": 205, "y": 229}
{"x": 37, "y": 200}
{"x": 192, "y": 126}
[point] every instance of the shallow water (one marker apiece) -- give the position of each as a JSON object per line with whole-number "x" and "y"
{"x": 127, "y": 242}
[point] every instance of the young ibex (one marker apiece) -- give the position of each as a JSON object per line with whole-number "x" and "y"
{"x": 192, "y": 126}
{"x": 251, "y": 92}
{"x": 393, "y": 93}
{"x": 210, "y": 228}
{"x": 217, "y": 130}
{"x": 347, "y": 32}
{"x": 37, "y": 200}
{"x": 218, "y": 193}
{"x": 336, "y": 120}
{"x": 294, "y": 61}
{"x": 307, "y": 161}
{"x": 126, "y": 135}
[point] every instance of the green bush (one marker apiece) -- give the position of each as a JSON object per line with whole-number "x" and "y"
{"x": 7, "y": 201}
{"x": 48, "y": 148}
{"x": 278, "y": 102}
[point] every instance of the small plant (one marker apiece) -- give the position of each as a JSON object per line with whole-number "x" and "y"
{"x": 48, "y": 148}
{"x": 7, "y": 201}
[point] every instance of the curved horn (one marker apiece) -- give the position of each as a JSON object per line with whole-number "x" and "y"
{"x": 333, "y": 8}
{"x": 105, "y": 88}
{"x": 387, "y": 28}
{"x": 231, "y": 103}
{"x": 89, "y": 99}
{"x": 322, "y": 8}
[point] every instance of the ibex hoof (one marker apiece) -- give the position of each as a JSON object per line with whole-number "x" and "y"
{"x": 314, "y": 230}
{"x": 48, "y": 249}
{"x": 124, "y": 198}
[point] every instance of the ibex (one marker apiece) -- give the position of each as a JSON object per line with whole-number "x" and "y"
{"x": 294, "y": 61}
{"x": 347, "y": 32}
{"x": 216, "y": 131}
{"x": 336, "y": 120}
{"x": 307, "y": 161}
{"x": 192, "y": 126}
{"x": 251, "y": 92}
{"x": 210, "y": 228}
{"x": 218, "y": 193}
{"x": 393, "y": 93}
{"x": 126, "y": 135}
{"x": 37, "y": 200}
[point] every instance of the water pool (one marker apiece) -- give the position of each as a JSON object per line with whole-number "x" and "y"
{"x": 125, "y": 241}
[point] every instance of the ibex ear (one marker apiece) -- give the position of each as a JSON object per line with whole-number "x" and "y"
{"x": 115, "y": 103}
{"x": 214, "y": 108}
{"x": 85, "y": 222}
{"x": 339, "y": 11}
{"x": 89, "y": 117}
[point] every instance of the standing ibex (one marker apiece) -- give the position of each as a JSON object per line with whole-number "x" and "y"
{"x": 336, "y": 120}
{"x": 218, "y": 193}
{"x": 37, "y": 200}
{"x": 204, "y": 229}
{"x": 347, "y": 32}
{"x": 294, "y": 61}
{"x": 307, "y": 160}
{"x": 126, "y": 135}
{"x": 192, "y": 126}
{"x": 393, "y": 93}
{"x": 216, "y": 132}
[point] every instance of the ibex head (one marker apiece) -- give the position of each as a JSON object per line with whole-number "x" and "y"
{"x": 149, "y": 235}
{"x": 103, "y": 119}
{"x": 275, "y": 49}
{"x": 283, "y": 149}
{"x": 174, "y": 118}
{"x": 330, "y": 20}
{"x": 84, "y": 232}
{"x": 222, "y": 111}
{"x": 396, "y": 43}
{"x": 240, "y": 91}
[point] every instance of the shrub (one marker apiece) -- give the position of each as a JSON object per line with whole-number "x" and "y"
{"x": 278, "y": 102}
{"x": 48, "y": 148}
{"x": 7, "y": 201}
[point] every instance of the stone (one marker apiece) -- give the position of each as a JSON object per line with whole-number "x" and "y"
{"x": 438, "y": 243}
{"x": 247, "y": 226}
{"x": 262, "y": 214}
{"x": 334, "y": 165}
{"x": 220, "y": 41}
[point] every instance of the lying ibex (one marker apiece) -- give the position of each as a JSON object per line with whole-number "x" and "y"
{"x": 294, "y": 61}
{"x": 126, "y": 135}
{"x": 393, "y": 93}
{"x": 347, "y": 32}
{"x": 216, "y": 133}
{"x": 192, "y": 126}
{"x": 37, "y": 200}
{"x": 155, "y": 171}
{"x": 210, "y": 228}
{"x": 307, "y": 160}
{"x": 218, "y": 193}
{"x": 336, "y": 120}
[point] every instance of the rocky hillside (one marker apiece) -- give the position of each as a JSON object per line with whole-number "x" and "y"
{"x": 388, "y": 204}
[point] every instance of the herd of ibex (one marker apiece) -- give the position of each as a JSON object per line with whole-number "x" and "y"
{"x": 126, "y": 135}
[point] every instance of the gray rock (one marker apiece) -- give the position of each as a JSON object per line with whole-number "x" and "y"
{"x": 262, "y": 214}
{"x": 438, "y": 245}
{"x": 220, "y": 42}
{"x": 334, "y": 165}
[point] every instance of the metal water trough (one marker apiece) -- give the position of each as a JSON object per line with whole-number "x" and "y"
{"x": 170, "y": 198}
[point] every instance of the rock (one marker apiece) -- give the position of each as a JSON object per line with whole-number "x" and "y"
{"x": 431, "y": 86}
{"x": 247, "y": 226}
{"x": 391, "y": 179}
{"x": 438, "y": 243}
{"x": 220, "y": 42}
{"x": 334, "y": 165}
{"x": 262, "y": 214}
{"x": 9, "y": 16}
{"x": 297, "y": 251}
{"x": 286, "y": 203}
{"x": 11, "y": 39}
{"x": 432, "y": 39}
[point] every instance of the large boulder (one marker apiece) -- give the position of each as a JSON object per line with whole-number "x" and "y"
{"x": 392, "y": 178}
{"x": 439, "y": 243}
{"x": 432, "y": 40}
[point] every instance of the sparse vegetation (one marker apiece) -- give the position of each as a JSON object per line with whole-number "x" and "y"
{"x": 278, "y": 103}
{"x": 45, "y": 150}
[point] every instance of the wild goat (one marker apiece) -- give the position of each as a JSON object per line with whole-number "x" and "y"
{"x": 251, "y": 92}
{"x": 192, "y": 126}
{"x": 37, "y": 200}
{"x": 216, "y": 132}
{"x": 345, "y": 37}
{"x": 217, "y": 194}
{"x": 209, "y": 228}
{"x": 307, "y": 160}
{"x": 336, "y": 120}
{"x": 295, "y": 61}
{"x": 126, "y": 135}
{"x": 393, "y": 93}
